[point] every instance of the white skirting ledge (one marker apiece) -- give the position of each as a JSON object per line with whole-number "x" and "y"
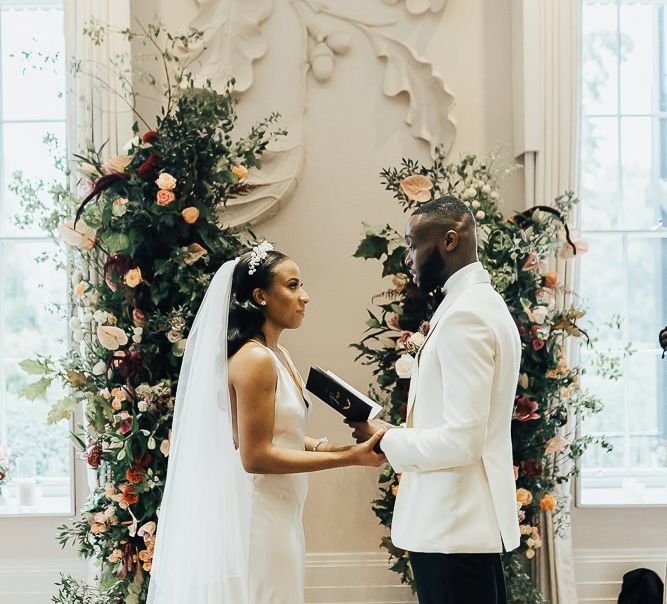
{"x": 331, "y": 578}
{"x": 600, "y": 572}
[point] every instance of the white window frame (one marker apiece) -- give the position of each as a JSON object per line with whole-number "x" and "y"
{"x": 614, "y": 475}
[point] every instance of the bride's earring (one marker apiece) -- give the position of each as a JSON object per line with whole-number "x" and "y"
{"x": 262, "y": 303}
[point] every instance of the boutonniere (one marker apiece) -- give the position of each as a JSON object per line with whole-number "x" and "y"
{"x": 412, "y": 342}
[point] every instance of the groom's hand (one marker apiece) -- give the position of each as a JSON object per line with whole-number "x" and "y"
{"x": 362, "y": 431}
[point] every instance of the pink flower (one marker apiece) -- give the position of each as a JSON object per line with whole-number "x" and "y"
{"x": 165, "y": 197}
{"x": 403, "y": 340}
{"x": 524, "y": 409}
{"x": 391, "y": 319}
{"x": 417, "y": 187}
{"x": 581, "y": 246}
{"x": 532, "y": 262}
{"x": 126, "y": 422}
{"x": 538, "y": 345}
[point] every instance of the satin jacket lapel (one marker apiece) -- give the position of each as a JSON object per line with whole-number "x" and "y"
{"x": 478, "y": 276}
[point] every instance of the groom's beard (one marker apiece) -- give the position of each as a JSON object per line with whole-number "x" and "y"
{"x": 432, "y": 273}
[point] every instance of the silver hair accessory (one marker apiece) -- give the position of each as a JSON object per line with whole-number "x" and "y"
{"x": 257, "y": 254}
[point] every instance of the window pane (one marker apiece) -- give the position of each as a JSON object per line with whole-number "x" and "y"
{"x": 30, "y": 327}
{"x": 599, "y": 173}
{"x": 599, "y": 61}
{"x": 24, "y": 150}
{"x": 603, "y": 286}
{"x": 33, "y": 65}
{"x": 638, "y": 58}
{"x": 640, "y": 186}
{"x": 647, "y": 290}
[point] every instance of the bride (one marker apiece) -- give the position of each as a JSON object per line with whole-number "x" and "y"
{"x": 230, "y": 525}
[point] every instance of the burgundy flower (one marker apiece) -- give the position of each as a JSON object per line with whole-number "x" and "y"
{"x": 115, "y": 268}
{"x": 403, "y": 410}
{"x": 532, "y": 468}
{"x": 524, "y": 409}
{"x": 93, "y": 455}
{"x": 538, "y": 344}
{"x": 522, "y": 331}
{"x": 127, "y": 365}
{"x": 149, "y": 137}
{"x": 148, "y": 169}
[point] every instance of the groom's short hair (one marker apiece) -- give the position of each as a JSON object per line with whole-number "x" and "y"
{"x": 446, "y": 210}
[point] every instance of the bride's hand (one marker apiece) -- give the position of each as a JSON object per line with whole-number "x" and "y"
{"x": 364, "y": 453}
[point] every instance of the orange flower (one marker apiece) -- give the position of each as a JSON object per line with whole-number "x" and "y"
{"x": 134, "y": 474}
{"x": 190, "y": 215}
{"x": 133, "y": 277}
{"x": 524, "y": 496}
{"x": 194, "y": 252}
{"x": 164, "y": 197}
{"x": 550, "y": 279}
{"x": 548, "y": 503}
{"x": 240, "y": 172}
{"x": 126, "y": 497}
{"x": 394, "y": 489}
{"x": 417, "y": 187}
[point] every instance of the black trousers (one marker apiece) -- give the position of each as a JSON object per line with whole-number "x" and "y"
{"x": 458, "y": 578}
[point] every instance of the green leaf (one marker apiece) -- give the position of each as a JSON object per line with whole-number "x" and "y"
{"x": 34, "y": 366}
{"x": 372, "y": 246}
{"x": 36, "y": 389}
{"x": 114, "y": 242}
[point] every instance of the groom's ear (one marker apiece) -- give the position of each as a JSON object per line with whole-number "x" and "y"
{"x": 451, "y": 240}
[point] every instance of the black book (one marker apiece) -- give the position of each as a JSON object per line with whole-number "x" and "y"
{"x": 342, "y": 397}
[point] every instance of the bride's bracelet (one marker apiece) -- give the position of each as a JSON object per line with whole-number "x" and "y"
{"x": 319, "y": 442}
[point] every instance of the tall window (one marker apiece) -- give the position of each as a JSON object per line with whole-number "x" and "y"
{"x": 623, "y": 212}
{"x": 32, "y": 111}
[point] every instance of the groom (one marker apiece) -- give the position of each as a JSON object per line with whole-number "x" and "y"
{"x": 456, "y": 504}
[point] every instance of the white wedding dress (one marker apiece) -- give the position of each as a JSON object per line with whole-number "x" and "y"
{"x": 277, "y": 549}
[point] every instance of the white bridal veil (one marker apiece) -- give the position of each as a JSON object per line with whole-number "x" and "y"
{"x": 201, "y": 548}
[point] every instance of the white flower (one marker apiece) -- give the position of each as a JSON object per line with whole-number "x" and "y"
{"x": 99, "y": 368}
{"x": 538, "y": 314}
{"x": 481, "y": 215}
{"x": 142, "y": 406}
{"x": 475, "y": 204}
{"x": 166, "y": 181}
{"x": 404, "y": 366}
{"x": 486, "y": 189}
{"x": 77, "y": 335}
{"x": 119, "y": 206}
{"x": 100, "y": 316}
{"x": 417, "y": 339}
{"x": 555, "y": 445}
{"x": 76, "y": 277}
{"x": 117, "y": 163}
{"x": 111, "y": 337}
{"x": 523, "y": 380}
{"x": 74, "y": 323}
{"x": 86, "y": 317}
{"x": 469, "y": 193}
{"x": 164, "y": 447}
{"x": 136, "y": 336}
{"x": 88, "y": 170}
{"x": 494, "y": 195}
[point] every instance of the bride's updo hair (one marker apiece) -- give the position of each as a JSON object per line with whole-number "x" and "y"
{"x": 246, "y": 317}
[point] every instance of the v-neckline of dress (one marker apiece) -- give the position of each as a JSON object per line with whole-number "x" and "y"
{"x": 291, "y": 371}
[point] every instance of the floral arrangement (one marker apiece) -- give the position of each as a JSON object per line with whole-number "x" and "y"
{"x": 144, "y": 244}
{"x": 4, "y": 466}
{"x": 549, "y": 401}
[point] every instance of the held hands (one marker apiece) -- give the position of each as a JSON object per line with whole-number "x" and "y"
{"x": 368, "y": 453}
{"x": 362, "y": 431}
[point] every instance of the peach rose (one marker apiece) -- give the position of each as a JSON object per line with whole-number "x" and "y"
{"x": 524, "y": 497}
{"x": 548, "y": 503}
{"x": 166, "y": 181}
{"x": 165, "y": 197}
{"x": 133, "y": 277}
{"x": 80, "y": 289}
{"x": 240, "y": 172}
{"x": 190, "y": 215}
{"x": 115, "y": 556}
{"x": 116, "y": 164}
{"x": 550, "y": 279}
{"x": 194, "y": 253}
{"x": 417, "y": 187}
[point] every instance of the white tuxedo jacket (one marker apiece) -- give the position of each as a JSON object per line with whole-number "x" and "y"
{"x": 457, "y": 492}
